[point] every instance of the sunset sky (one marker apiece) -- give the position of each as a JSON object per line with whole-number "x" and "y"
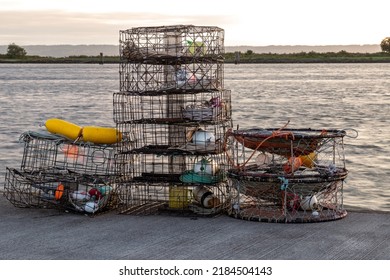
{"x": 246, "y": 22}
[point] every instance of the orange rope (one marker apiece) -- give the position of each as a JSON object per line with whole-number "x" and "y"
{"x": 273, "y": 135}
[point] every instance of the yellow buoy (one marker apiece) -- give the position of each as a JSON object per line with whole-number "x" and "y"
{"x": 309, "y": 160}
{"x": 63, "y": 128}
{"x": 101, "y": 135}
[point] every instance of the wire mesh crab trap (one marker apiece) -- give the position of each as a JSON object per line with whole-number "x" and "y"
{"x": 177, "y": 78}
{"x": 184, "y": 137}
{"x": 171, "y": 58}
{"x": 181, "y": 183}
{"x": 287, "y": 175}
{"x": 146, "y": 198}
{"x": 172, "y": 167}
{"x": 44, "y": 152}
{"x": 209, "y": 107}
{"x": 65, "y": 191}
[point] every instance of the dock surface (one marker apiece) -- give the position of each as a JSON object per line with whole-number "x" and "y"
{"x": 48, "y": 234}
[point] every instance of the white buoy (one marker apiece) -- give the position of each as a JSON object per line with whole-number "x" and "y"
{"x": 80, "y": 195}
{"x": 206, "y": 197}
{"x": 309, "y": 202}
{"x": 206, "y": 166}
{"x": 91, "y": 207}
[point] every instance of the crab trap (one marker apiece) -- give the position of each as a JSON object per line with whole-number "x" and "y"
{"x": 83, "y": 194}
{"x": 172, "y": 167}
{"x": 171, "y": 58}
{"x": 211, "y": 107}
{"x": 287, "y": 175}
{"x": 145, "y": 198}
{"x": 171, "y": 181}
{"x": 180, "y": 137}
{"x": 45, "y": 152}
{"x": 144, "y": 78}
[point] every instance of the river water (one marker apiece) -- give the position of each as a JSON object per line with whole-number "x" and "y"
{"x": 355, "y": 97}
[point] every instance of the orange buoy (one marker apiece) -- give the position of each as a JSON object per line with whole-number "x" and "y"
{"x": 101, "y": 135}
{"x": 71, "y": 151}
{"x": 292, "y": 165}
{"x": 59, "y": 192}
{"x": 63, "y": 128}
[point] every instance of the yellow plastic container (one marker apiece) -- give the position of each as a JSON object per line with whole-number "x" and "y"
{"x": 179, "y": 197}
{"x": 101, "y": 135}
{"x": 63, "y": 128}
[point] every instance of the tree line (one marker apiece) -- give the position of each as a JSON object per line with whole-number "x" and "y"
{"x": 17, "y": 52}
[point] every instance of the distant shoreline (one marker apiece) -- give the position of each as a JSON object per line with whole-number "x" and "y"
{"x": 59, "y": 51}
{"x": 230, "y": 58}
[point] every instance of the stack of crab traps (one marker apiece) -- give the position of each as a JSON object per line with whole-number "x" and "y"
{"x": 62, "y": 169}
{"x": 173, "y": 111}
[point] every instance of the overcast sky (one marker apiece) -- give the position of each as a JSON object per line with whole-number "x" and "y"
{"x": 246, "y": 22}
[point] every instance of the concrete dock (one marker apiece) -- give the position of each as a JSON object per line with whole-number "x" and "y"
{"x": 42, "y": 234}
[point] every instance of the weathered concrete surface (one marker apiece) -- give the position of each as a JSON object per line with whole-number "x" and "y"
{"x": 49, "y": 234}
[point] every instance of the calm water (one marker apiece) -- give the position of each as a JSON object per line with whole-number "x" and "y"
{"x": 339, "y": 96}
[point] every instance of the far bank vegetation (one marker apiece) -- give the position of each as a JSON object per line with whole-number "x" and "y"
{"x": 17, "y": 54}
